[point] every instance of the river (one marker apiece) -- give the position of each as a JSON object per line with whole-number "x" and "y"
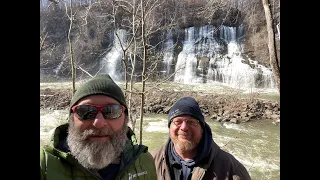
{"x": 255, "y": 144}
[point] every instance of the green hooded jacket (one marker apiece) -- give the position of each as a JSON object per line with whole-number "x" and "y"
{"x": 56, "y": 164}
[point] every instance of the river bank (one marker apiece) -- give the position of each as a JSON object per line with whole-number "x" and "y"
{"x": 228, "y": 107}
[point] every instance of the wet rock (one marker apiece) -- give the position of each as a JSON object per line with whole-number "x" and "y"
{"x": 221, "y": 108}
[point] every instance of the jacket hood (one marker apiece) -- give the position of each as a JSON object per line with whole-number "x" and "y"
{"x": 205, "y": 143}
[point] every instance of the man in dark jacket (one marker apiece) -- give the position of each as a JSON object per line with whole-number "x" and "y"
{"x": 190, "y": 152}
{"x": 96, "y": 142}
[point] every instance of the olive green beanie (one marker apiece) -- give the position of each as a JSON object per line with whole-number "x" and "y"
{"x": 100, "y": 84}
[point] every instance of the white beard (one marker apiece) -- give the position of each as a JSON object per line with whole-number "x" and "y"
{"x": 94, "y": 154}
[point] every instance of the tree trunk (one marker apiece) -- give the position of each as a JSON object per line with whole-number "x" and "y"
{"x": 144, "y": 58}
{"x": 274, "y": 63}
{"x": 72, "y": 63}
{"x": 133, "y": 64}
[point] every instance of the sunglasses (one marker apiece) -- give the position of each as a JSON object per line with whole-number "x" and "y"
{"x": 89, "y": 112}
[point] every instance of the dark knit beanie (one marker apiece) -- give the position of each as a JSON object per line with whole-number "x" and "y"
{"x": 186, "y": 106}
{"x": 100, "y": 84}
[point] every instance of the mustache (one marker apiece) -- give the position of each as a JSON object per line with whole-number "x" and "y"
{"x": 184, "y": 133}
{"x": 96, "y": 132}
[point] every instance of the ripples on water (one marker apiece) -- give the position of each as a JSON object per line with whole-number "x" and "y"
{"x": 255, "y": 144}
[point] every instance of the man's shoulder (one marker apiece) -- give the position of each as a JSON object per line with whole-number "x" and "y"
{"x": 158, "y": 151}
{"x": 45, "y": 149}
{"x": 135, "y": 151}
{"x": 48, "y": 152}
{"x": 146, "y": 155}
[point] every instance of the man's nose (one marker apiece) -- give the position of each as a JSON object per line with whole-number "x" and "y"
{"x": 184, "y": 125}
{"x": 99, "y": 121}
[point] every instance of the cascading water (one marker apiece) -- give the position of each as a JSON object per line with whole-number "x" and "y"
{"x": 231, "y": 71}
{"x": 208, "y": 55}
{"x": 168, "y": 54}
{"x": 57, "y": 70}
{"x": 111, "y": 64}
{"x": 187, "y": 62}
{"x": 202, "y": 59}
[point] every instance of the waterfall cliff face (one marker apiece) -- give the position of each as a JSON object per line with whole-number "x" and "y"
{"x": 208, "y": 54}
{"x": 211, "y": 54}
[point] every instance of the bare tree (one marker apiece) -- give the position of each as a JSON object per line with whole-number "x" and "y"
{"x": 143, "y": 21}
{"x": 153, "y": 23}
{"x": 123, "y": 16}
{"x": 72, "y": 61}
{"x": 133, "y": 59}
{"x": 144, "y": 59}
{"x": 271, "y": 44}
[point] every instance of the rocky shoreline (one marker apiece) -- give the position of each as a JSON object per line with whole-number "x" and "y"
{"x": 222, "y": 108}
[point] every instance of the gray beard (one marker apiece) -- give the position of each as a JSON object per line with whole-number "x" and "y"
{"x": 183, "y": 146}
{"x": 93, "y": 154}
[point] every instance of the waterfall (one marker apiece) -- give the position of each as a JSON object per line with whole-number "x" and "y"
{"x": 168, "y": 54}
{"x": 233, "y": 70}
{"x": 208, "y": 55}
{"x": 211, "y": 55}
{"x": 187, "y": 62}
{"x": 58, "y": 68}
{"x": 111, "y": 63}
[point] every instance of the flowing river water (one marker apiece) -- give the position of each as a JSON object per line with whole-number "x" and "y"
{"x": 255, "y": 144}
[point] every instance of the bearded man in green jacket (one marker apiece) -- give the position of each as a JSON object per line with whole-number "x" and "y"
{"x": 190, "y": 152}
{"x": 96, "y": 142}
